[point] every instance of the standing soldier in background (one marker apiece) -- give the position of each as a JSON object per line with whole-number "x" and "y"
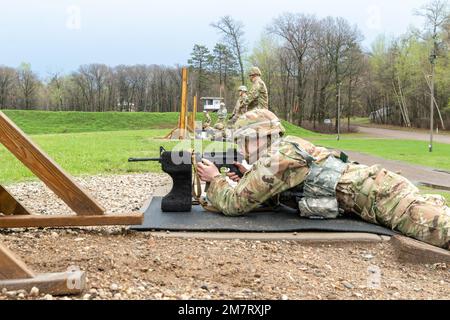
{"x": 258, "y": 97}
{"x": 240, "y": 107}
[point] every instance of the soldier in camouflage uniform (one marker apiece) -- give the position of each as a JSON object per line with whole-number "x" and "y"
{"x": 221, "y": 117}
{"x": 240, "y": 107}
{"x": 206, "y": 121}
{"x": 373, "y": 193}
{"x": 217, "y": 133}
{"x": 258, "y": 96}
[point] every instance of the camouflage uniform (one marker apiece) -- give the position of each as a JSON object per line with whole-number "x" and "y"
{"x": 207, "y": 121}
{"x": 239, "y": 109}
{"x": 258, "y": 96}
{"x": 375, "y": 194}
{"x": 221, "y": 118}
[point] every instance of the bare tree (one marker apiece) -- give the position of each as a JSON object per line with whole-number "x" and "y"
{"x": 55, "y": 89}
{"x": 7, "y": 80}
{"x": 339, "y": 38}
{"x": 28, "y": 84}
{"x": 297, "y": 30}
{"x": 233, "y": 34}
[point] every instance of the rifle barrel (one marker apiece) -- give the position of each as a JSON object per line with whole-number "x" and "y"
{"x": 144, "y": 159}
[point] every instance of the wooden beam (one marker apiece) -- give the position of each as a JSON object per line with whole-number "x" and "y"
{"x": 66, "y": 283}
{"x": 194, "y": 114}
{"x": 12, "y": 267}
{"x": 9, "y": 205}
{"x": 15, "y": 275}
{"x": 413, "y": 251}
{"x": 183, "y": 113}
{"x": 42, "y": 221}
{"x": 46, "y": 169}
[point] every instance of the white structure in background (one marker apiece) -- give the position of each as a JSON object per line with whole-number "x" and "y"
{"x": 127, "y": 107}
{"x": 211, "y": 103}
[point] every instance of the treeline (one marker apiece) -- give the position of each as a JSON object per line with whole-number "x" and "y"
{"x": 305, "y": 63}
{"x": 311, "y": 67}
{"x": 93, "y": 87}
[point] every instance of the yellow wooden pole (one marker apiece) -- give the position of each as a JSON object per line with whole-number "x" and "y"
{"x": 194, "y": 114}
{"x": 183, "y": 114}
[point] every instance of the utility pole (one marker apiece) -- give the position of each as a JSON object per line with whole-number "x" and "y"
{"x": 339, "y": 113}
{"x": 433, "y": 58}
{"x": 437, "y": 16}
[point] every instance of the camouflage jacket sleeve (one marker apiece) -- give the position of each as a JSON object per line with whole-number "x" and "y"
{"x": 253, "y": 94}
{"x": 268, "y": 177}
{"x": 237, "y": 107}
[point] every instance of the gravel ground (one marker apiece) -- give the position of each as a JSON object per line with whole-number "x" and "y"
{"x": 126, "y": 265}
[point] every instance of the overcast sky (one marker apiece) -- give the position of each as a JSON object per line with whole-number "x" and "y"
{"x": 60, "y": 35}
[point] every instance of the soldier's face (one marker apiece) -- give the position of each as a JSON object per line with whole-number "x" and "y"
{"x": 253, "y": 148}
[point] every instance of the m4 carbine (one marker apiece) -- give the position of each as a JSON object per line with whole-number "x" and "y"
{"x": 178, "y": 164}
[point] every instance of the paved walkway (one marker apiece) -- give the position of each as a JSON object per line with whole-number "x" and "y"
{"x": 417, "y": 174}
{"x": 402, "y": 134}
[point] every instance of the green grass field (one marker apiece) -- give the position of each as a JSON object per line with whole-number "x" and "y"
{"x": 98, "y": 153}
{"x": 414, "y": 152}
{"x": 98, "y": 143}
{"x": 101, "y": 143}
{"x": 359, "y": 121}
{"x": 42, "y": 122}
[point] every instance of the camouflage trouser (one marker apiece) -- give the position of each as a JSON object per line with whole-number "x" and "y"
{"x": 382, "y": 197}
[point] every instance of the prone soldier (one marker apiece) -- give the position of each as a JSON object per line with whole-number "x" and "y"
{"x": 319, "y": 183}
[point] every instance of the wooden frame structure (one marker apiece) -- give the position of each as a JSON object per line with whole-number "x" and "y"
{"x": 193, "y": 116}
{"x": 15, "y": 215}
{"x": 15, "y": 275}
{"x": 186, "y": 122}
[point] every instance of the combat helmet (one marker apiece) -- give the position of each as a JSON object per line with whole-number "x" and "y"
{"x": 260, "y": 122}
{"x": 255, "y": 71}
{"x": 243, "y": 89}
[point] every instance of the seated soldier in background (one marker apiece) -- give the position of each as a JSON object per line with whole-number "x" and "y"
{"x": 319, "y": 183}
{"x": 218, "y": 132}
{"x": 240, "y": 107}
{"x": 258, "y": 96}
{"x": 221, "y": 117}
{"x": 206, "y": 124}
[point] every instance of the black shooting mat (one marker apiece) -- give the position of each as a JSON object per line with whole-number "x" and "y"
{"x": 199, "y": 220}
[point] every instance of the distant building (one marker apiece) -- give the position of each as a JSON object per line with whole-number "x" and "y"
{"x": 127, "y": 107}
{"x": 211, "y": 103}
